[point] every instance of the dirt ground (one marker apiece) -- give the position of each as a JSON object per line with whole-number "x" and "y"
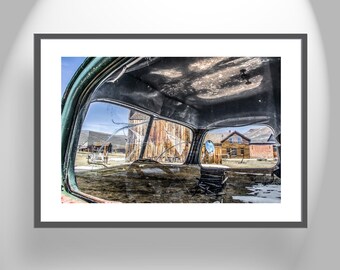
{"x": 163, "y": 184}
{"x": 114, "y": 159}
{"x": 250, "y": 163}
{"x": 171, "y": 183}
{"x": 118, "y": 158}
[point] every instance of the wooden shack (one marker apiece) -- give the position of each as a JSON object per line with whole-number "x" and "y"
{"x": 235, "y": 145}
{"x": 93, "y": 141}
{"x": 216, "y": 156}
{"x": 227, "y": 145}
{"x": 212, "y": 158}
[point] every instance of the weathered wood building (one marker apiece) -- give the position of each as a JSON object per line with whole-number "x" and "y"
{"x": 227, "y": 145}
{"x": 235, "y": 145}
{"x": 258, "y": 143}
{"x": 92, "y": 141}
{"x": 168, "y": 142}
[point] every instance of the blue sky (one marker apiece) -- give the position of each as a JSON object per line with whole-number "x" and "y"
{"x": 69, "y": 65}
{"x": 239, "y": 129}
{"x": 100, "y": 115}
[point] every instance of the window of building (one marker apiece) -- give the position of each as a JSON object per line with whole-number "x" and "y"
{"x": 239, "y": 140}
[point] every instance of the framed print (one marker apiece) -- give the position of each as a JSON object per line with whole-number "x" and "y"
{"x": 173, "y": 130}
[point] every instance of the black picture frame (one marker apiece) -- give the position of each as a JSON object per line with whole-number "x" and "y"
{"x": 38, "y": 223}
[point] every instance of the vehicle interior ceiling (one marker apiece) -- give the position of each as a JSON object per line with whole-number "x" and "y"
{"x": 203, "y": 93}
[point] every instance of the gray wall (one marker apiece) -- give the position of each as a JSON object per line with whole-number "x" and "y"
{"x": 23, "y": 247}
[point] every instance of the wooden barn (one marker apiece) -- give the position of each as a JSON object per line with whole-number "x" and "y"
{"x": 138, "y": 125}
{"x": 168, "y": 142}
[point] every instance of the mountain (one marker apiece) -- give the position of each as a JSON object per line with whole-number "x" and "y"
{"x": 88, "y": 137}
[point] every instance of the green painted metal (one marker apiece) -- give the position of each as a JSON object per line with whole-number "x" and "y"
{"x": 89, "y": 75}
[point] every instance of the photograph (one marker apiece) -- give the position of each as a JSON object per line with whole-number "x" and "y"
{"x": 170, "y": 130}
{"x": 175, "y": 130}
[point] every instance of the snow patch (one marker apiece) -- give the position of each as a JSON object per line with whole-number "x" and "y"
{"x": 262, "y": 194}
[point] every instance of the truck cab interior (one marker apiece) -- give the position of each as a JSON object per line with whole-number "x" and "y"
{"x": 183, "y": 129}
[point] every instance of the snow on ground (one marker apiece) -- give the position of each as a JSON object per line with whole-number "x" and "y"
{"x": 262, "y": 194}
{"x": 86, "y": 168}
{"x": 117, "y": 159}
{"x": 214, "y": 166}
{"x": 153, "y": 170}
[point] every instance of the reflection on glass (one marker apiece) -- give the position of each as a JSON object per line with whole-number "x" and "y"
{"x": 168, "y": 142}
{"x": 138, "y": 124}
{"x": 110, "y": 163}
{"x": 111, "y": 135}
{"x": 127, "y": 156}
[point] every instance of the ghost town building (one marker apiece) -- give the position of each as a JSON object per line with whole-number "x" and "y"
{"x": 257, "y": 143}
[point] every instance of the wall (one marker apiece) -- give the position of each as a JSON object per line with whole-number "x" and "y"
{"x": 244, "y": 144}
{"x": 261, "y": 151}
{"x": 213, "y": 158}
{"x": 168, "y": 142}
{"x": 278, "y": 248}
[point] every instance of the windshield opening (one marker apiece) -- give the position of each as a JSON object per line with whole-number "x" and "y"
{"x": 127, "y": 156}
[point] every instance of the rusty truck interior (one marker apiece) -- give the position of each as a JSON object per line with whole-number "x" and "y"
{"x": 178, "y": 130}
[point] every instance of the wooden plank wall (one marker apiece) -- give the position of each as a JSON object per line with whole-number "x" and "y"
{"x": 163, "y": 135}
{"x": 214, "y": 158}
{"x": 227, "y": 145}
